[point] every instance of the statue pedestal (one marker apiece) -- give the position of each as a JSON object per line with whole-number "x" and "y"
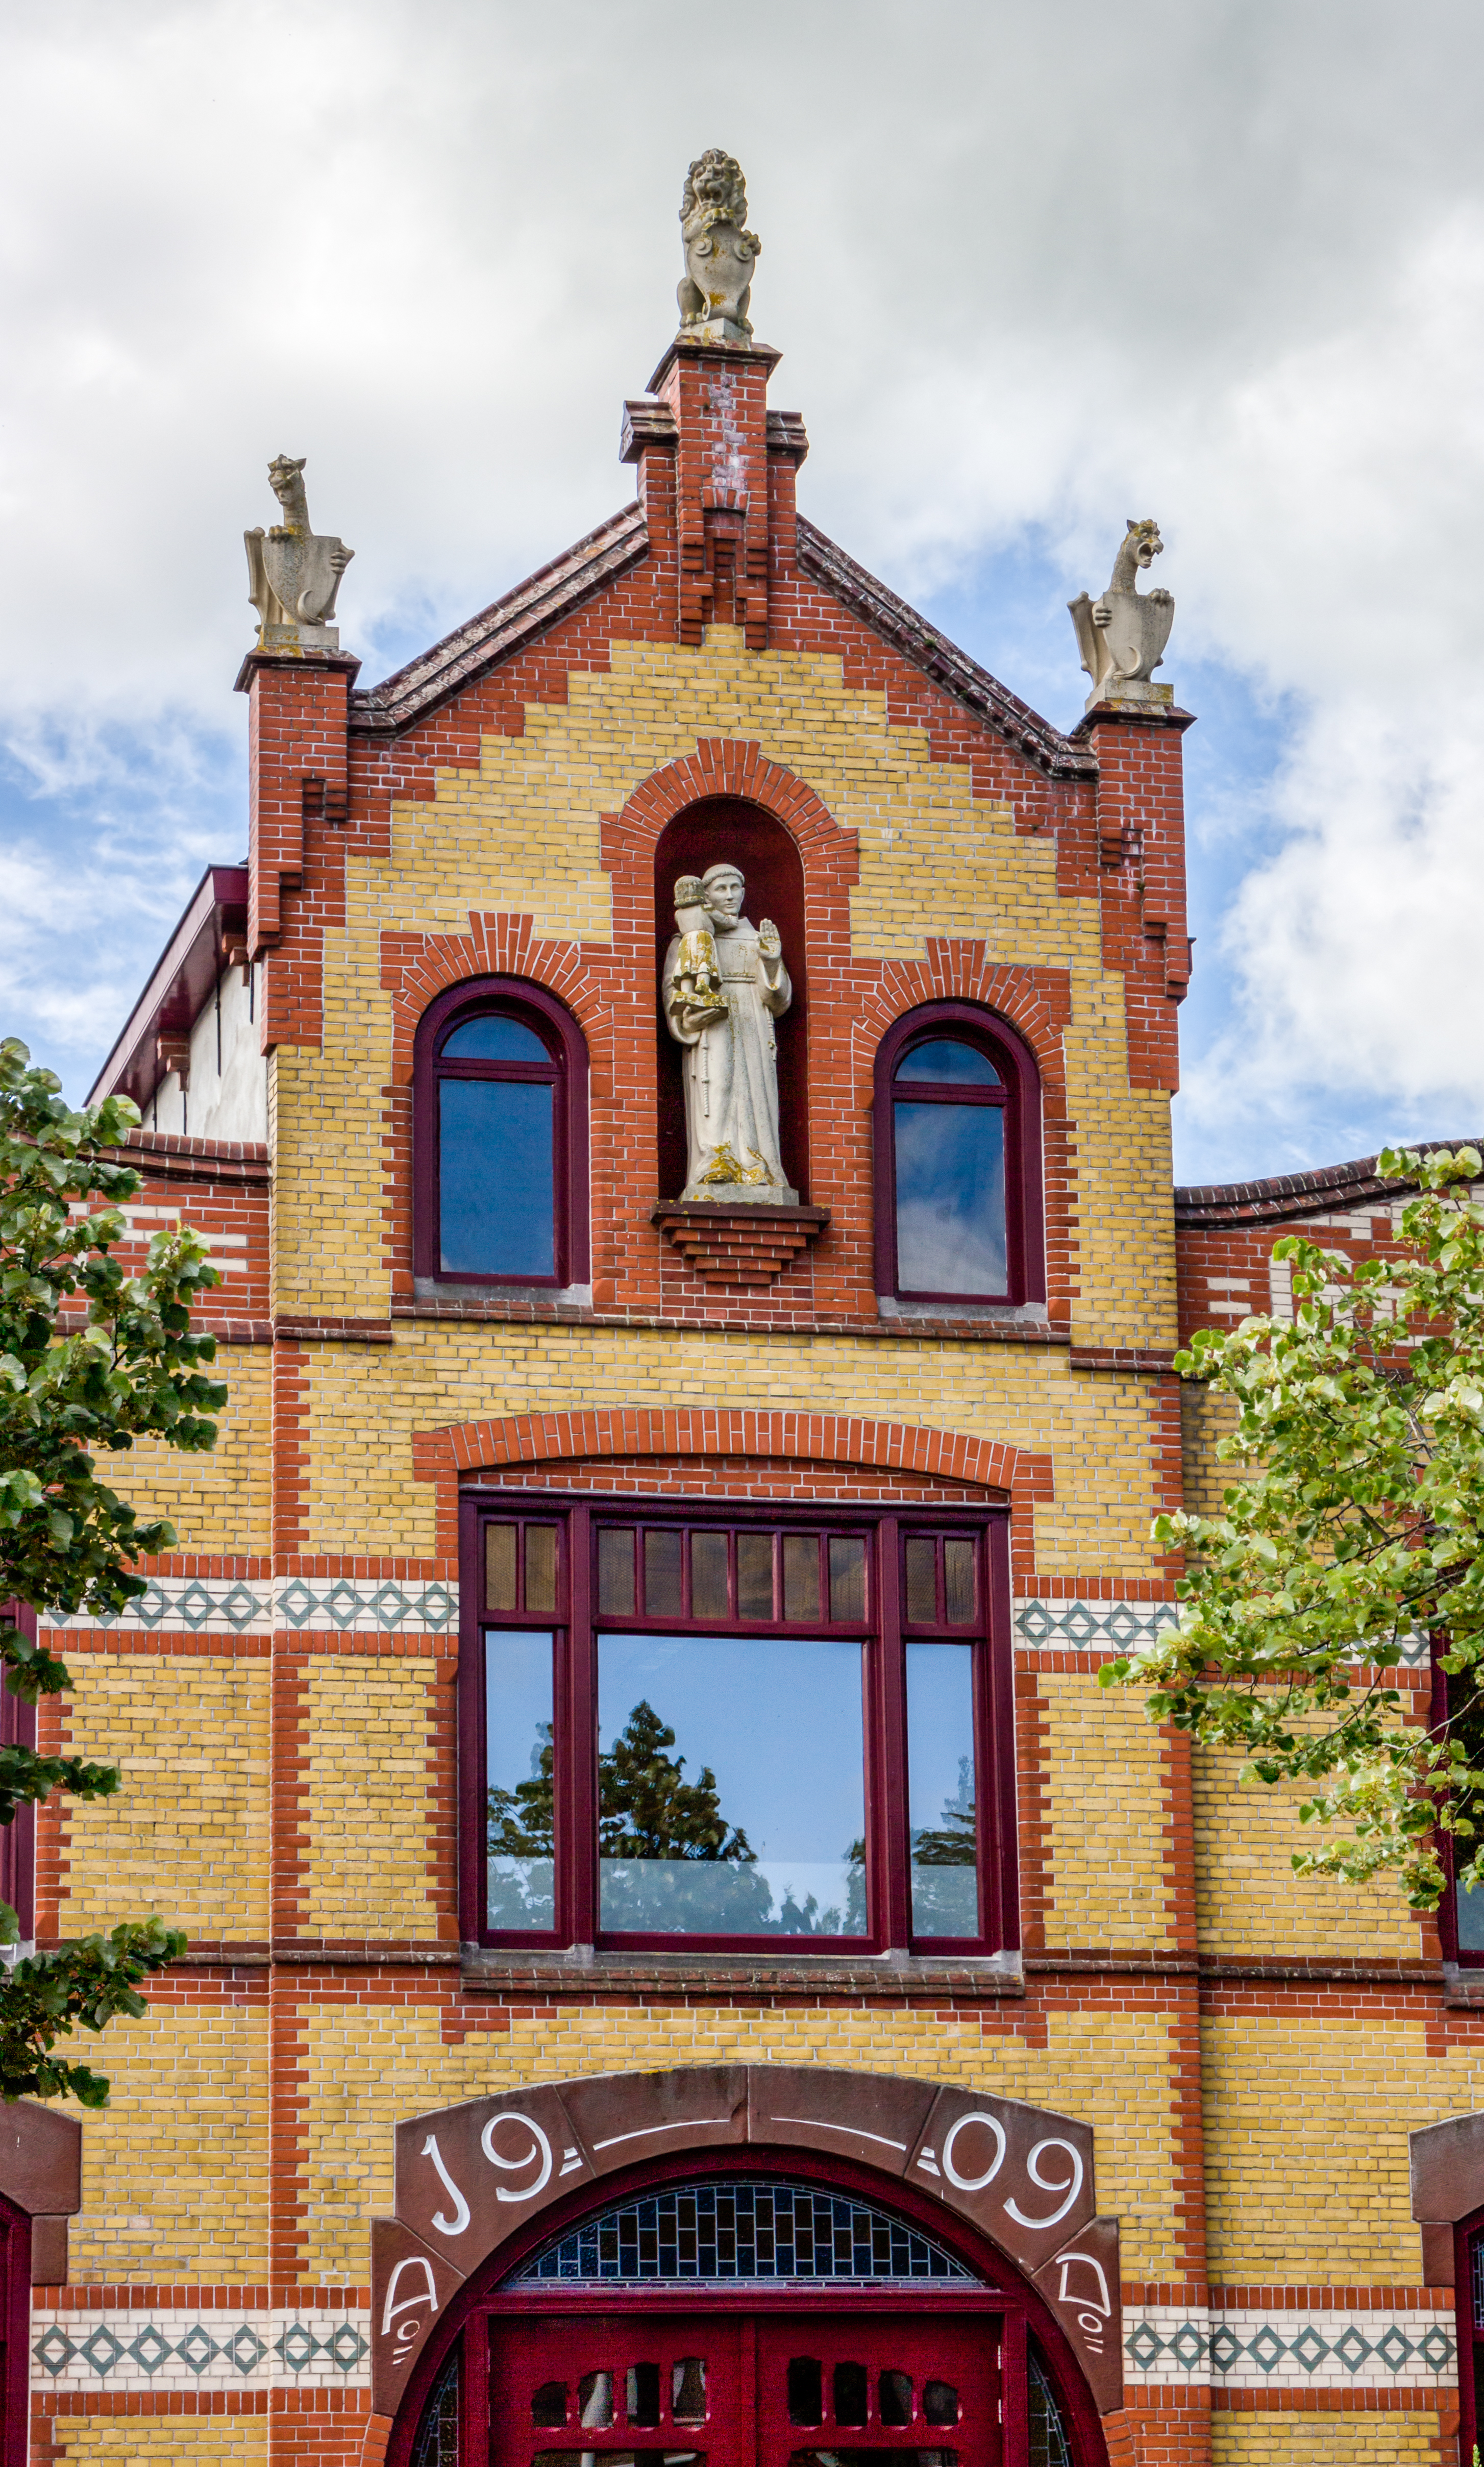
{"x": 738, "y": 1242}
{"x": 286, "y": 639}
{"x": 1118, "y": 690}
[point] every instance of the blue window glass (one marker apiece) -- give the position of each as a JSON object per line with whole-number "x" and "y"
{"x": 493, "y": 1038}
{"x": 940, "y": 1789}
{"x": 951, "y": 1198}
{"x": 703, "y": 1828}
{"x": 945, "y": 1058}
{"x": 519, "y": 1819}
{"x": 497, "y": 1204}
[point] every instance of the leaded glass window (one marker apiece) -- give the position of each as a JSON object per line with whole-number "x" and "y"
{"x": 438, "y": 2435}
{"x": 737, "y": 2231}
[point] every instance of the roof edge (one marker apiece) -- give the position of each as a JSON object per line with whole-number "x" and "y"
{"x": 411, "y": 693}
{"x": 216, "y": 912}
{"x": 929, "y": 649}
{"x": 1297, "y": 1194}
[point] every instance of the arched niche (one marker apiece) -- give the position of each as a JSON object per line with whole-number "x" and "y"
{"x": 482, "y": 2187}
{"x": 721, "y": 829}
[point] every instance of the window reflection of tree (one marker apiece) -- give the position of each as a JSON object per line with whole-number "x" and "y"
{"x": 649, "y": 1812}
{"x": 952, "y": 1841}
{"x": 939, "y": 1904}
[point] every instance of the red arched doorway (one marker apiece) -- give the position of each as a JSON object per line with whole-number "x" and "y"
{"x": 737, "y": 2304}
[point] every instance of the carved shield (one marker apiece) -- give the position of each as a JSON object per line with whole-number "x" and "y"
{"x": 297, "y": 565}
{"x": 1138, "y": 630}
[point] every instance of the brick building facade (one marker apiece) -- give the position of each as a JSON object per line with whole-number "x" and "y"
{"x": 1137, "y": 2117}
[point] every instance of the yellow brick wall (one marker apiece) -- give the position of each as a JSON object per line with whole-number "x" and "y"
{"x": 219, "y": 1500}
{"x": 1306, "y": 2154}
{"x": 158, "y": 2441}
{"x": 365, "y": 1401}
{"x": 1248, "y": 1897}
{"x": 1104, "y": 1820}
{"x": 521, "y": 834}
{"x": 1328, "y": 2440}
{"x": 187, "y": 1835}
{"x": 368, "y": 2066}
{"x": 175, "y": 2168}
{"x": 1206, "y": 1417}
{"x": 368, "y": 1723}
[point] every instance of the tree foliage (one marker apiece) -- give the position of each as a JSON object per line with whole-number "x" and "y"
{"x": 90, "y": 1359}
{"x": 1357, "y": 1528}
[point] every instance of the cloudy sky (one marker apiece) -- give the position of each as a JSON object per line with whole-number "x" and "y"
{"x": 1035, "y": 265}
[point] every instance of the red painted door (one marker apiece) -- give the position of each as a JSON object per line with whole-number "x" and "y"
{"x": 837, "y": 2389}
{"x": 636, "y": 2389}
{"x": 806, "y": 2389}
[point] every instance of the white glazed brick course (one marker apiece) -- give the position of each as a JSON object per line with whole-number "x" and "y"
{"x": 254, "y": 1606}
{"x": 1331, "y": 2350}
{"x": 161, "y": 2349}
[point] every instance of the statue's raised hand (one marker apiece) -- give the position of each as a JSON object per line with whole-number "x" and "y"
{"x": 769, "y": 945}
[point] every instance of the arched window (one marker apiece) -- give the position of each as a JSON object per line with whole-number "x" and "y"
{"x": 958, "y": 1161}
{"x": 500, "y": 1139}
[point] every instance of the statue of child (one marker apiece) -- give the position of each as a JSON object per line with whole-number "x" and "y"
{"x": 697, "y": 972}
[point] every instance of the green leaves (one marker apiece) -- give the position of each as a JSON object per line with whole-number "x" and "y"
{"x": 1355, "y": 1526}
{"x": 82, "y": 1986}
{"x": 90, "y": 1359}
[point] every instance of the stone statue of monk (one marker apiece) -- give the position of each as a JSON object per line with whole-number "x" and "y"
{"x": 731, "y": 1053}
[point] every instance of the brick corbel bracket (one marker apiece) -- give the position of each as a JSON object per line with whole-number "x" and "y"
{"x": 1448, "y": 2184}
{"x": 41, "y": 2173}
{"x": 743, "y": 1244}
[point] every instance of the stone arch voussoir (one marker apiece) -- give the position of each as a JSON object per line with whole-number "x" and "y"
{"x": 472, "y": 2179}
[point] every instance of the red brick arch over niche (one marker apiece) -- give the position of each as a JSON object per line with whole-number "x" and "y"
{"x": 1021, "y": 1476}
{"x": 734, "y": 767}
{"x": 471, "y": 2180}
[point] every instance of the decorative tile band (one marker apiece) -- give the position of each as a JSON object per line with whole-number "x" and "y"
{"x": 165, "y": 2350}
{"x": 392, "y": 1606}
{"x": 1122, "y": 1628}
{"x": 1331, "y": 2350}
{"x": 1170, "y": 2344}
{"x": 1092, "y": 1627}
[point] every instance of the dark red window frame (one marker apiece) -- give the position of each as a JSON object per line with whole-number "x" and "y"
{"x": 1465, "y": 1956}
{"x": 1025, "y": 1225}
{"x": 886, "y": 1634}
{"x": 1467, "y": 2252}
{"x": 514, "y": 998}
{"x": 18, "y": 1838}
{"x": 15, "y": 2335}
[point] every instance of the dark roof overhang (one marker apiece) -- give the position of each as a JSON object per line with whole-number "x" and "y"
{"x": 1326, "y": 1189}
{"x": 215, "y": 921}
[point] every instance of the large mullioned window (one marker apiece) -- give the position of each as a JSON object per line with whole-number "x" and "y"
{"x": 736, "y": 1728}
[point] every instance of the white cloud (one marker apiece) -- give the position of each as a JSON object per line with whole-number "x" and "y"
{"x": 1033, "y": 270}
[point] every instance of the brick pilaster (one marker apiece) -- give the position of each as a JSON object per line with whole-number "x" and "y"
{"x": 297, "y": 790}
{"x": 1142, "y": 869}
{"x": 718, "y": 397}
